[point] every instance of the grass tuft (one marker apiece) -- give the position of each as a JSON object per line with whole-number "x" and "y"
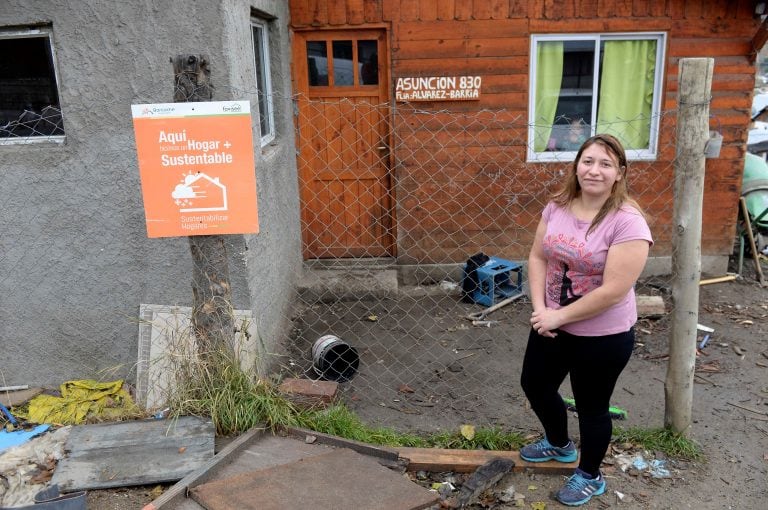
{"x": 660, "y": 439}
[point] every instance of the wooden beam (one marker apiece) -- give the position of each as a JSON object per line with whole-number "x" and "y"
{"x": 467, "y": 461}
{"x": 758, "y": 41}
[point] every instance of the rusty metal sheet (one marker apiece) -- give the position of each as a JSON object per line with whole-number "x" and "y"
{"x": 338, "y": 480}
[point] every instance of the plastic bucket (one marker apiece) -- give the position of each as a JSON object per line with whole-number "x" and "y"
{"x": 333, "y": 359}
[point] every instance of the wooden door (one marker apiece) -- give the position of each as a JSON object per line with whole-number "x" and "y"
{"x": 343, "y": 143}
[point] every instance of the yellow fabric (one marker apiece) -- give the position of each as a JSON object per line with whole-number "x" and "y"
{"x": 78, "y": 400}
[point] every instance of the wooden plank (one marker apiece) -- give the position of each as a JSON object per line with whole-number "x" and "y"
{"x": 693, "y": 9}
{"x": 600, "y": 25}
{"x": 708, "y": 27}
{"x": 409, "y": 10}
{"x": 319, "y": 10}
{"x": 428, "y": 10}
{"x": 355, "y": 12}
{"x": 685, "y": 47}
{"x": 499, "y": 9}
{"x": 381, "y": 452}
{"x": 373, "y": 11}
{"x": 640, "y": 8}
{"x": 18, "y": 397}
{"x": 467, "y": 461}
{"x": 133, "y": 453}
{"x": 558, "y": 9}
{"x": 300, "y": 14}
{"x": 452, "y": 29}
{"x": 445, "y": 9}
{"x": 463, "y": 10}
{"x": 470, "y": 66}
{"x": 337, "y": 12}
{"x": 481, "y": 9}
{"x": 518, "y": 8}
{"x": 390, "y": 10}
{"x": 758, "y": 41}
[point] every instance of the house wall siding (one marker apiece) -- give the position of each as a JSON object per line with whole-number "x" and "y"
{"x": 491, "y": 38}
{"x": 75, "y": 260}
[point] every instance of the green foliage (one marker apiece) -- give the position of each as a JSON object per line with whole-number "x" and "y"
{"x": 659, "y": 439}
{"x": 340, "y": 421}
{"x": 219, "y": 388}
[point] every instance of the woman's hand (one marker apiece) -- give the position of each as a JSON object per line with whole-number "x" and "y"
{"x": 546, "y": 321}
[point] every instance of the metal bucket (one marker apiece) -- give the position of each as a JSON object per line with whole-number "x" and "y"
{"x": 52, "y": 499}
{"x": 333, "y": 359}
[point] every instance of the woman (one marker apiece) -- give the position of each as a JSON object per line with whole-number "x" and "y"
{"x": 590, "y": 247}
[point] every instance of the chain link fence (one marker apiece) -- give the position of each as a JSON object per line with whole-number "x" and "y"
{"x": 457, "y": 184}
{"x": 394, "y": 199}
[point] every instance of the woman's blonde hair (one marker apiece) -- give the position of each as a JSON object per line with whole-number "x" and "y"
{"x": 619, "y": 193}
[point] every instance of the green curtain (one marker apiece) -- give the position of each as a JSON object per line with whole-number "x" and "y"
{"x": 626, "y": 91}
{"x": 549, "y": 76}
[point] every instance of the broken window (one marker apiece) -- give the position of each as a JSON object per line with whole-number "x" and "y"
{"x": 29, "y": 95}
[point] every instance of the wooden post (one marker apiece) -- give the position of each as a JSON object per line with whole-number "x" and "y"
{"x": 695, "y": 83}
{"x": 212, "y": 311}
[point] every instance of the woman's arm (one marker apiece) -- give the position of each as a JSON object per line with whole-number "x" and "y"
{"x": 623, "y": 265}
{"x": 537, "y": 268}
{"x": 537, "y": 275}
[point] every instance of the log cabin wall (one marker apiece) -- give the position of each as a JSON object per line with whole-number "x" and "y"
{"x": 492, "y": 39}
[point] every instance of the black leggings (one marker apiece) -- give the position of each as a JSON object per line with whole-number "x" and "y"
{"x": 594, "y": 364}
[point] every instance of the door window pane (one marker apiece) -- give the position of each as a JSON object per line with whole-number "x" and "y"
{"x": 368, "y": 62}
{"x": 317, "y": 63}
{"x": 343, "y": 74}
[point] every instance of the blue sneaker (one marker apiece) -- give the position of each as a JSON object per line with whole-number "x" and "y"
{"x": 542, "y": 451}
{"x": 578, "y": 490}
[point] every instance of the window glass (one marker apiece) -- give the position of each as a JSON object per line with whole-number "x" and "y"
{"x": 263, "y": 81}
{"x": 595, "y": 84}
{"x": 343, "y": 74}
{"x": 317, "y": 63}
{"x": 29, "y": 97}
{"x": 368, "y": 62}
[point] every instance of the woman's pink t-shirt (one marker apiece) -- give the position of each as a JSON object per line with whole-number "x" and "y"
{"x": 575, "y": 264}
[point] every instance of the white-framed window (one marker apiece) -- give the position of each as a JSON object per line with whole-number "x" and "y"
{"x": 585, "y": 84}
{"x": 260, "y": 33}
{"x": 29, "y": 95}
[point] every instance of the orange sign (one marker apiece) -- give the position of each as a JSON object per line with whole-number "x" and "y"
{"x": 196, "y": 165}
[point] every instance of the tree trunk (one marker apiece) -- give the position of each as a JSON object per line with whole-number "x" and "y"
{"x": 212, "y": 311}
{"x": 692, "y": 135}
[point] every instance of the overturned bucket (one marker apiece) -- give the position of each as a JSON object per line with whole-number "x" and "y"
{"x": 333, "y": 359}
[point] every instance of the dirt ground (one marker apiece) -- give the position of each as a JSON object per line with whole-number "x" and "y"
{"x": 425, "y": 368}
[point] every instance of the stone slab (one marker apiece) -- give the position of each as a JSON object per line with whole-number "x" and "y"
{"x": 355, "y": 284}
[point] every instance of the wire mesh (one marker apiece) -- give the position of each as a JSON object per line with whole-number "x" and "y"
{"x": 439, "y": 187}
{"x": 393, "y": 201}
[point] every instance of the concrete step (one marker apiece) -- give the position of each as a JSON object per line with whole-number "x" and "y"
{"x": 347, "y": 284}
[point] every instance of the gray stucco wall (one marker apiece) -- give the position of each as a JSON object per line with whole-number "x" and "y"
{"x": 75, "y": 261}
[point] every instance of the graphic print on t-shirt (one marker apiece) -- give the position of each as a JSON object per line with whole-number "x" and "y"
{"x": 566, "y": 288}
{"x": 572, "y": 271}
